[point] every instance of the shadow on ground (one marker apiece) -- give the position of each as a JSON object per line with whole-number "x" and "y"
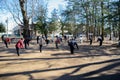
{"x": 85, "y": 51}
{"x": 114, "y": 63}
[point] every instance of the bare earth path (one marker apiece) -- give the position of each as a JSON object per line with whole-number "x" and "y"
{"x": 88, "y": 63}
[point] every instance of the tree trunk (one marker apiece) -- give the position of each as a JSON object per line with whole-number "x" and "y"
{"x": 26, "y": 31}
{"x": 102, "y": 15}
{"x": 119, "y": 21}
{"x": 119, "y": 35}
{"x": 110, "y": 33}
{"x": 95, "y": 21}
{"x": 62, "y": 28}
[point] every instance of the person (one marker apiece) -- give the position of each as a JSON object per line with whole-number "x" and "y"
{"x": 19, "y": 45}
{"x": 81, "y": 39}
{"x": 5, "y": 42}
{"x": 47, "y": 41}
{"x": 71, "y": 45}
{"x": 40, "y": 41}
{"x": 26, "y": 42}
{"x": 90, "y": 40}
{"x": 100, "y": 41}
{"x": 119, "y": 43}
{"x": 57, "y": 41}
{"x": 37, "y": 39}
{"x": 2, "y": 37}
{"x": 60, "y": 38}
{"x": 8, "y": 40}
{"x": 65, "y": 38}
{"x": 75, "y": 43}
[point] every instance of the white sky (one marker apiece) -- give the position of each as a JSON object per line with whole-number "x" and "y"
{"x": 55, "y": 4}
{"x": 11, "y": 24}
{"x": 4, "y": 17}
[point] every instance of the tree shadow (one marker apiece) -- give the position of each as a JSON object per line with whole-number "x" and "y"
{"x": 115, "y": 76}
{"x": 114, "y": 63}
{"x": 91, "y": 51}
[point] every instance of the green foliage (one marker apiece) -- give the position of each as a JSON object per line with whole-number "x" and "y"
{"x": 41, "y": 19}
{"x": 108, "y": 30}
{"x": 2, "y": 27}
{"x": 41, "y": 27}
{"x": 98, "y": 14}
{"x": 52, "y": 26}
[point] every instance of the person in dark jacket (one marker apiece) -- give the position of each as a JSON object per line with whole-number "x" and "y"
{"x": 19, "y": 45}
{"x": 90, "y": 40}
{"x": 71, "y": 45}
{"x": 75, "y": 43}
{"x": 2, "y": 37}
{"x": 37, "y": 39}
{"x": 47, "y": 41}
{"x": 5, "y": 42}
{"x": 100, "y": 41}
{"x": 26, "y": 42}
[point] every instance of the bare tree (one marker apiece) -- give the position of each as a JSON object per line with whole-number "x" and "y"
{"x": 23, "y": 12}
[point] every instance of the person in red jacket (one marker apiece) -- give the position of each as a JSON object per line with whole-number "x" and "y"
{"x": 19, "y": 45}
{"x": 8, "y": 40}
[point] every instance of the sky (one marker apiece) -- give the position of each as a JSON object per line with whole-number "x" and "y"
{"x": 57, "y": 4}
{"x": 11, "y": 24}
{"x": 7, "y": 16}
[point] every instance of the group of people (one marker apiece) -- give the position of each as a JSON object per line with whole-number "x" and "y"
{"x": 72, "y": 43}
{"x": 24, "y": 43}
{"x": 100, "y": 40}
{"x": 21, "y": 43}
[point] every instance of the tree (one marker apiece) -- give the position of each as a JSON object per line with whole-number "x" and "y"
{"x": 91, "y": 13}
{"x": 24, "y": 12}
{"x": 26, "y": 31}
{"x": 64, "y": 20}
{"x": 53, "y": 23}
{"x": 41, "y": 19}
{"x": 52, "y": 26}
{"x": 2, "y": 27}
{"x": 114, "y": 18}
{"x": 19, "y": 10}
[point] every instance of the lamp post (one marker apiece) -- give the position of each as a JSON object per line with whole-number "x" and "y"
{"x": 7, "y": 26}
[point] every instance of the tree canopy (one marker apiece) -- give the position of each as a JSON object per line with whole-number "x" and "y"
{"x": 80, "y": 16}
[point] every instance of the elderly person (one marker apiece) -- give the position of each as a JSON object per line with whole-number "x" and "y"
{"x": 19, "y": 45}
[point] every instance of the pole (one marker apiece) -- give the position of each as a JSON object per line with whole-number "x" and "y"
{"x": 7, "y": 26}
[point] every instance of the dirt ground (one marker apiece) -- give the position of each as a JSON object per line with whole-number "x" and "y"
{"x": 88, "y": 63}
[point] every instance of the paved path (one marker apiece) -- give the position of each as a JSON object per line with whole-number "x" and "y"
{"x": 88, "y": 63}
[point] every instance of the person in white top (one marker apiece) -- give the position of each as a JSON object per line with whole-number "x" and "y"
{"x": 40, "y": 41}
{"x": 81, "y": 39}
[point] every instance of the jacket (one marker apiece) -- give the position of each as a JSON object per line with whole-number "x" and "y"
{"x": 20, "y": 44}
{"x": 40, "y": 41}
